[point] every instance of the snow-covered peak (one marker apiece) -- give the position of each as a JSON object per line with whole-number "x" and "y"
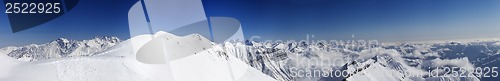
{"x": 62, "y": 40}
{"x": 8, "y": 49}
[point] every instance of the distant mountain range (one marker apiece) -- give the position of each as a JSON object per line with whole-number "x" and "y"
{"x": 378, "y": 62}
{"x": 61, "y": 48}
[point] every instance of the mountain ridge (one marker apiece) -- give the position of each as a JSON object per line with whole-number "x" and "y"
{"x": 61, "y": 47}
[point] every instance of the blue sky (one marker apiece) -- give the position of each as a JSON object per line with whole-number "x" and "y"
{"x": 385, "y": 20}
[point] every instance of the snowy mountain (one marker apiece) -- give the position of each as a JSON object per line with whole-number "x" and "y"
{"x": 248, "y": 60}
{"x": 61, "y": 48}
{"x": 387, "y": 62}
{"x": 119, "y": 63}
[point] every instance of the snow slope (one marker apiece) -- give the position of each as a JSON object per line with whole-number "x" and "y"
{"x": 165, "y": 47}
{"x": 118, "y": 63}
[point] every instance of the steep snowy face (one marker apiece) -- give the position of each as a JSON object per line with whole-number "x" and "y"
{"x": 378, "y": 68}
{"x": 61, "y": 48}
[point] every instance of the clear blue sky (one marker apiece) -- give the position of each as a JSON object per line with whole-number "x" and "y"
{"x": 386, "y": 20}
